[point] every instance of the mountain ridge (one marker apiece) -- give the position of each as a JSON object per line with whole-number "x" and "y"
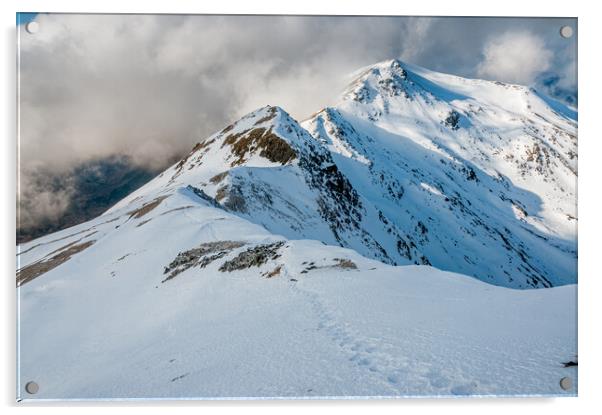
{"x": 351, "y": 165}
{"x": 313, "y": 259}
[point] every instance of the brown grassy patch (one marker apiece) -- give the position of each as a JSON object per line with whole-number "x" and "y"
{"x": 66, "y": 237}
{"x": 344, "y": 263}
{"x": 272, "y": 147}
{"x": 181, "y": 163}
{"x": 143, "y": 222}
{"x": 221, "y": 193}
{"x": 228, "y": 128}
{"x": 202, "y": 145}
{"x": 271, "y": 114}
{"x": 32, "y": 271}
{"x": 177, "y": 209}
{"x": 274, "y": 272}
{"x": 218, "y": 177}
{"x": 275, "y": 149}
{"x": 62, "y": 248}
{"x": 146, "y": 208}
{"x": 243, "y": 145}
{"x": 231, "y": 139}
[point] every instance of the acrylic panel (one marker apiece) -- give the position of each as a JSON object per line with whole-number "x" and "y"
{"x": 218, "y": 207}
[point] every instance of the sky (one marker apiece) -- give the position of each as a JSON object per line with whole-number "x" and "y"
{"x": 148, "y": 87}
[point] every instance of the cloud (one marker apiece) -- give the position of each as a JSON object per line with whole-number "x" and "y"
{"x": 42, "y": 200}
{"x": 415, "y": 34}
{"x": 150, "y": 86}
{"x": 515, "y": 56}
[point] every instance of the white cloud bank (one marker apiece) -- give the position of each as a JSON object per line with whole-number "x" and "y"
{"x": 516, "y": 57}
{"x": 150, "y": 86}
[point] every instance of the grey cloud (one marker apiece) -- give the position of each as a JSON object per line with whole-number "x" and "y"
{"x": 149, "y": 87}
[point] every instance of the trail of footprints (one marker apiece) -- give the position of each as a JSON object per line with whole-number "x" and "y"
{"x": 398, "y": 372}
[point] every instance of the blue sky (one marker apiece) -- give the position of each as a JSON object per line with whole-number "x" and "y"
{"x": 24, "y": 17}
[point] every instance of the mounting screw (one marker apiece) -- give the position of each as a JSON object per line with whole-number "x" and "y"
{"x": 32, "y": 388}
{"x": 32, "y": 27}
{"x": 566, "y": 31}
{"x": 566, "y": 383}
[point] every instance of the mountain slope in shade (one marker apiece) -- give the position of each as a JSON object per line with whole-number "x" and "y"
{"x": 181, "y": 298}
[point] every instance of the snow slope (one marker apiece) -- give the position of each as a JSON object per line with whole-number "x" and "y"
{"x": 109, "y": 324}
{"x": 280, "y": 259}
{"x": 295, "y": 188}
{"x": 411, "y": 167}
{"x": 466, "y": 170}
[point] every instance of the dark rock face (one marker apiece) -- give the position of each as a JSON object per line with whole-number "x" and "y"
{"x": 333, "y": 198}
{"x": 253, "y": 257}
{"x": 201, "y": 194}
{"x": 452, "y": 120}
{"x": 339, "y": 202}
{"x": 200, "y": 257}
{"x": 232, "y": 198}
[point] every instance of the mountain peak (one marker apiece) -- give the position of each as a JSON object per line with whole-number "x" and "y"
{"x": 268, "y": 133}
{"x": 407, "y": 156}
{"x": 394, "y": 65}
{"x": 274, "y": 229}
{"x": 387, "y": 78}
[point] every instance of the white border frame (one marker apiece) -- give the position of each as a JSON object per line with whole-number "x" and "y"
{"x": 590, "y": 152}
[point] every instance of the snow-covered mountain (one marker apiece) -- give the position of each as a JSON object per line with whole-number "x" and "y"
{"x": 188, "y": 300}
{"x": 296, "y": 259}
{"x": 478, "y": 176}
{"x": 412, "y": 167}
